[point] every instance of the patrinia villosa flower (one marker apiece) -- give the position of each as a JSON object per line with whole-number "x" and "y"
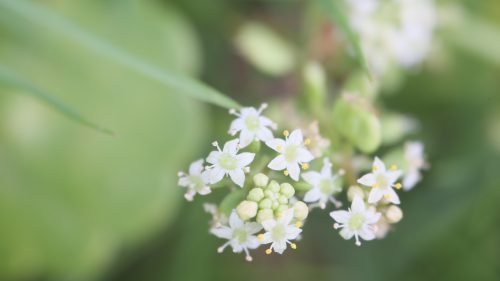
{"x": 279, "y": 232}
{"x": 251, "y": 125}
{"x": 324, "y": 186}
{"x": 415, "y": 159}
{"x": 357, "y": 221}
{"x": 228, "y": 161}
{"x": 196, "y": 181}
{"x": 382, "y": 182}
{"x": 241, "y": 235}
{"x": 293, "y": 153}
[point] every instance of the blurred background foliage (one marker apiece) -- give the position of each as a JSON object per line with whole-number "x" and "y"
{"x": 76, "y": 204}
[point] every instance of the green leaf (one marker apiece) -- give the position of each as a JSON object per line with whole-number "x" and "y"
{"x": 11, "y": 79}
{"x": 337, "y": 15}
{"x": 180, "y": 83}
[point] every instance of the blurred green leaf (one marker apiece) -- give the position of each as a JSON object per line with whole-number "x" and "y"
{"x": 11, "y": 79}
{"x": 183, "y": 84}
{"x": 337, "y": 15}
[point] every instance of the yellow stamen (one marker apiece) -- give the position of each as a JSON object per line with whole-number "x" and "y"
{"x": 260, "y": 237}
{"x": 286, "y": 133}
{"x": 305, "y": 166}
{"x": 298, "y": 224}
{"x": 387, "y": 196}
{"x": 286, "y": 172}
{"x": 375, "y": 168}
{"x": 398, "y": 185}
{"x": 279, "y": 147}
{"x": 307, "y": 141}
{"x": 293, "y": 246}
{"x": 394, "y": 167}
{"x": 269, "y": 251}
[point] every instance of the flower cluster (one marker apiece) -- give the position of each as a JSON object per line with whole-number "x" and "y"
{"x": 274, "y": 186}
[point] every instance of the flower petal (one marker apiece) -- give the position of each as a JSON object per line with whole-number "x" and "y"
{"x": 366, "y": 233}
{"x": 204, "y": 190}
{"x": 393, "y": 196}
{"x": 287, "y": 217}
{"x": 296, "y": 137}
{"x": 238, "y": 177}
{"x": 292, "y": 232}
{"x": 372, "y": 217}
{"x": 304, "y": 155}
{"x": 392, "y": 176}
{"x": 231, "y": 146}
{"x": 358, "y": 205}
{"x": 264, "y": 134}
{"x": 235, "y": 221}
{"x": 313, "y": 195}
{"x": 216, "y": 175}
{"x": 279, "y": 247}
{"x": 379, "y": 165}
{"x": 340, "y": 216}
{"x": 253, "y": 227}
{"x": 244, "y": 159}
{"x": 268, "y": 224}
{"x": 367, "y": 180}
{"x": 278, "y": 163}
{"x": 252, "y": 242}
{"x": 246, "y": 138}
{"x": 266, "y": 238}
{"x": 326, "y": 170}
{"x": 223, "y": 232}
{"x": 213, "y": 157}
{"x": 375, "y": 195}
{"x": 293, "y": 171}
{"x": 276, "y": 144}
{"x": 312, "y": 178}
{"x": 236, "y": 126}
{"x": 411, "y": 178}
{"x": 346, "y": 233}
{"x": 196, "y": 167}
{"x": 266, "y": 122}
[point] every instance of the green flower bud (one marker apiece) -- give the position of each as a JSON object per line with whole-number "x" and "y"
{"x": 268, "y": 194}
{"x": 283, "y": 199}
{"x": 280, "y": 210}
{"x": 264, "y": 215}
{"x": 300, "y": 210}
{"x": 274, "y": 187}
{"x": 247, "y": 210}
{"x": 287, "y": 190}
{"x": 260, "y": 180}
{"x": 276, "y": 204}
{"x": 256, "y": 194}
{"x": 394, "y": 214}
{"x": 265, "y": 203}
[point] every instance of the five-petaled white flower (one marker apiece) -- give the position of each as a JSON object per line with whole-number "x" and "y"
{"x": 280, "y": 232}
{"x": 196, "y": 181}
{"x": 357, "y": 221}
{"x": 292, "y": 154}
{"x": 382, "y": 181}
{"x": 324, "y": 185}
{"x": 251, "y": 125}
{"x": 227, "y": 161}
{"x": 241, "y": 235}
{"x": 415, "y": 160}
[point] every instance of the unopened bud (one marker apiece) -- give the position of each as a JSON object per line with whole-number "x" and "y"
{"x": 394, "y": 214}
{"x": 264, "y": 215}
{"x": 300, "y": 210}
{"x": 274, "y": 186}
{"x": 260, "y": 180}
{"x": 265, "y": 203}
{"x": 287, "y": 190}
{"x": 256, "y": 194}
{"x": 247, "y": 210}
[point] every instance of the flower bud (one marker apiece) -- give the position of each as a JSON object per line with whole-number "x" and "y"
{"x": 264, "y": 215}
{"x": 282, "y": 199}
{"x": 247, "y": 210}
{"x": 265, "y": 203}
{"x": 300, "y": 210}
{"x": 287, "y": 190}
{"x": 394, "y": 214}
{"x": 256, "y": 194}
{"x": 280, "y": 210}
{"x": 355, "y": 191}
{"x": 260, "y": 180}
{"x": 274, "y": 186}
{"x": 276, "y": 204}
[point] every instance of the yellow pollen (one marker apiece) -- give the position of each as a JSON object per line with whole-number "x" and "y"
{"x": 394, "y": 167}
{"x": 293, "y": 246}
{"x": 305, "y": 166}
{"x": 298, "y": 224}
{"x": 279, "y": 147}
{"x": 375, "y": 168}
{"x": 286, "y": 172}
{"x": 269, "y": 251}
{"x": 387, "y": 196}
{"x": 307, "y": 141}
{"x": 398, "y": 185}
{"x": 286, "y": 133}
{"x": 260, "y": 237}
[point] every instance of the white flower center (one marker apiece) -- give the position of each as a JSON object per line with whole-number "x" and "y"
{"x": 196, "y": 182}
{"x": 356, "y": 221}
{"x": 291, "y": 152}
{"x": 278, "y": 232}
{"x": 228, "y": 162}
{"x": 382, "y": 181}
{"x": 326, "y": 186}
{"x": 252, "y": 123}
{"x": 240, "y": 235}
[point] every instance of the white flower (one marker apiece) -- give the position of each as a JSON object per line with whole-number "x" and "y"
{"x": 324, "y": 185}
{"x": 382, "y": 181}
{"x": 415, "y": 159}
{"x": 251, "y": 125}
{"x": 280, "y": 232}
{"x": 227, "y": 161}
{"x": 196, "y": 181}
{"x": 241, "y": 235}
{"x": 292, "y": 154}
{"x": 357, "y": 221}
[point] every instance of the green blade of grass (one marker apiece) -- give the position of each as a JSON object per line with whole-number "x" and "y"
{"x": 336, "y": 13}
{"x": 10, "y": 79}
{"x": 180, "y": 83}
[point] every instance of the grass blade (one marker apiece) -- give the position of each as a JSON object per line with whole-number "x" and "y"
{"x": 336, "y": 13}
{"x": 11, "y": 79}
{"x": 42, "y": 16}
